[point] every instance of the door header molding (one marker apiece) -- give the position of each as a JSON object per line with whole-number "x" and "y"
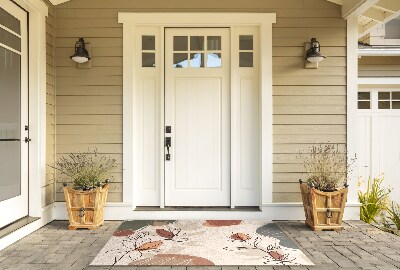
{"x": 204, "y": 19}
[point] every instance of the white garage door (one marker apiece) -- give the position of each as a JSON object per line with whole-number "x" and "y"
{"x": 379, "y": 136}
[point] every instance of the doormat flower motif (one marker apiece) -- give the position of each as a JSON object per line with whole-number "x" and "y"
{"x": 194, "y": 242}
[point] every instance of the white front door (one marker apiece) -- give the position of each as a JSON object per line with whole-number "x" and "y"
{"x": 379, "y": 133}
{"x": 197, "y": 110}
{"x": 13, "y": 113}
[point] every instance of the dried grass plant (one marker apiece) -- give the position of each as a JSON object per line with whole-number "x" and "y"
{"x": 85, "y": 169}
{"x": 326, "y": 167}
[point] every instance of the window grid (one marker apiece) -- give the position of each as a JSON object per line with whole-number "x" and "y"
{"x": 148, "y": 51}
{"x": 189, "y": 57}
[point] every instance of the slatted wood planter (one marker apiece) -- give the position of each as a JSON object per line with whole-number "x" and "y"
{"x": 323, "y": 210}
{"x": 86, "y": 208}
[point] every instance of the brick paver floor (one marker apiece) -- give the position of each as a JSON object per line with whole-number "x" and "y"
{"x": 358, "y": 246}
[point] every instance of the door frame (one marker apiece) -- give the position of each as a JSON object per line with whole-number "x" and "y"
{"x": 37, "y": 13}
{"x": 132, "y": 170}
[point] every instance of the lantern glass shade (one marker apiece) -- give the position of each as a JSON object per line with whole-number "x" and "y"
{"x": 313, "y": 54}
{"x": 81, "y": 54}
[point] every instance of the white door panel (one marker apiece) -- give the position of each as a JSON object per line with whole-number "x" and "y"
{"x": 389, "y": 153}
{"x": 197, "y": 107}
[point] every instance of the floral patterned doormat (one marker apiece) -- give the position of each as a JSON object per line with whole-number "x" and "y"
{"x": 195, "y": 242}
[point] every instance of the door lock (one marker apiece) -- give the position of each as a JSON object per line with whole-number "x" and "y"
{"x": 168, "y": 145}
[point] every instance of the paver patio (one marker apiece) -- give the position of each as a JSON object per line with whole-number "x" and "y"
{"x": 358, "y": 246}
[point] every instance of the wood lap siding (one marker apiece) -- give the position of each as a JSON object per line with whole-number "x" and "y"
{"x": 309, "y": 104}
{"x": 50, "y": 105}
{"x": 379, "y": 66}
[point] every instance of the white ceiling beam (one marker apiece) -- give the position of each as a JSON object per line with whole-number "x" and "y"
{"x": 389, "y": 5}
{"x": 373, "y": 24}
{"x": 375, "y": 14}
{"x": 356, "y": 7}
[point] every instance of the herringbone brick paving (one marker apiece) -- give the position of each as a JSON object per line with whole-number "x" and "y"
{"x": 358, "y": 246}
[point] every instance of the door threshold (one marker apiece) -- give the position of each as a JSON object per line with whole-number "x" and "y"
{"x": 205, "y": 208}
{"x": 6, "y": 230}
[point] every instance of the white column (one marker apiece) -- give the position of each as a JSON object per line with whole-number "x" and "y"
{"x": 352, "y": 87}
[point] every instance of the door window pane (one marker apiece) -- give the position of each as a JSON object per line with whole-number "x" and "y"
{"x": 384, "y": 95}
{"x": 214, "y": 43}
{"x": 148, "y": 59}
{"x": 245, "y": 59}
{"x": 9, "y": 21}
{"x": 384, "y": 105}
{"x": 396, "y": 105}
{"x": 214, "y": 60}
{"x": 396, "y": 95}
{"x": 197, "y": 60}
{"x": 246, "y": 42}
{"x": 148, "y": 43}
{"x": 364, "y": 105}
{"x": 196, "y": 43}
{"x": 10, "y": 123}
{"x": 180, "y": 43}
{"x": 180, "y": 60}
{"x": 10, "y": 40}
{"x": 364, "y": 95}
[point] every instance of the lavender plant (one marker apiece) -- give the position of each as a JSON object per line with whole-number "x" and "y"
{"x": 326, "y": 167}
{"x": 85, "y": 169}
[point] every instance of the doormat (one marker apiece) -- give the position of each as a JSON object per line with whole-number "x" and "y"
{"x": 195, "y": 242}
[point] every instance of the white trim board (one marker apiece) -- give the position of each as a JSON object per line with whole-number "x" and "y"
{"x": 270, "y": 211}
{"x": 378, "y": 80}
{"x": 132, "y": 126}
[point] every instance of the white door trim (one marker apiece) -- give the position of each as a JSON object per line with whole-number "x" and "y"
{"x": 37, "y": 12}
{"x": 131, "y": 119}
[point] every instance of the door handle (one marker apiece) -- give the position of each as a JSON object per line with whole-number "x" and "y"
{"x": 27, "y": 139}
{"x": 168, "y": 145}
{"x": 10, "y": 140}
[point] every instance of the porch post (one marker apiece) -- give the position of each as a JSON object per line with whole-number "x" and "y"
{"x": 352, "y": 87}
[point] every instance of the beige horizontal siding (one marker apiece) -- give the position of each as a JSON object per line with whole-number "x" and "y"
{"x": 379, "y": 66}
{"x": 309, "y": 104}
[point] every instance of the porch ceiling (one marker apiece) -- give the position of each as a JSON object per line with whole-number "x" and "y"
{"x": 371, "y": 13}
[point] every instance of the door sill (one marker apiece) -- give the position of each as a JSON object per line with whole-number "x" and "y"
{"x": 16, "y": 225}
{"x": 205, "y": 208}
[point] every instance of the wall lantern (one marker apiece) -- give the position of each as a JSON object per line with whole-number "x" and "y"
{"x": 81, "y": 54}
{"x": 313, "y": 55}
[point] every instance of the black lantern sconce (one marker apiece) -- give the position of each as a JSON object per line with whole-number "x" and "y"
{"x": 313, "y": 54}
{"x": 81, "y": 54}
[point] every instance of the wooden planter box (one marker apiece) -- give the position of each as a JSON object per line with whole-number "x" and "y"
{"x": 323, "y": 210}
{"x": 86, "y": 208}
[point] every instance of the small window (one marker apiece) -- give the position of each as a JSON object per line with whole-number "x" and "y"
{"x": 246, "y": 51}
{"x": 389, "y": 100}
{"x": 364, "y": 100}
{"x": 197, "y": 52}
{"x": 148, "y": 51}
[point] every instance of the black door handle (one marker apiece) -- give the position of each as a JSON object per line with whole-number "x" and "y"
{"x": 168, "y": 145}
{"x": 10, "y": 140}
{"x": 27, "y": 139}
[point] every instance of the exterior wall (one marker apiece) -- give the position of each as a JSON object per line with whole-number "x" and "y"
{"x": 49, "y": 186}
{"x": 309, "y": 104}
{"x": 379, "y": 66}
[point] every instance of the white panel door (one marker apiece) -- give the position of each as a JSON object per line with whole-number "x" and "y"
{"x": 378, "y": 137}
{"x": 13, "y": 113}
{"x": 197, "y": 108}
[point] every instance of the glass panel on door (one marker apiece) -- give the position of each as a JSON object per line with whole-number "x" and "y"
{"x": 10, "y": 106}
